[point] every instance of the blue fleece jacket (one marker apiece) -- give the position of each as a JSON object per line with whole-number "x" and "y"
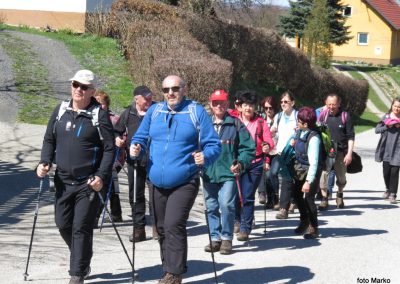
{"x": 174, "y": 138}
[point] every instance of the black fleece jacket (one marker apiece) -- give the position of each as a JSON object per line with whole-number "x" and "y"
{"x": 80, "y": 151}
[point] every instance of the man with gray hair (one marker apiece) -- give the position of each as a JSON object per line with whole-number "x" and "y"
{"x": 82, "y": 134}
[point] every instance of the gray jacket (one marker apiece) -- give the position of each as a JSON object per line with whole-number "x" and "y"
{"x": 388, "y": 149}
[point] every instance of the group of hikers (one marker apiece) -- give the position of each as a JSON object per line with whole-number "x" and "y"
{"x": 177, "y": 146}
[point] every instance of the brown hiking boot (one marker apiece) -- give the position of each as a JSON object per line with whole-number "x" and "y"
{"x": 216, "y": 245}
{"x": 339, "y": 201}
{"x": 170, "y": 278}
{"x": 283, "y": 214}
{"x": 226, "y": 247}
{"x": 302, "y": 227}
{"x": 324, "y": 204}
{"x": 292, "y": 207}
{"x": 312, "y": 233}
{"x": 140, "y": 235}
{"x": 392, "y": 199}
{"x": 262, "y": 197}
{"x": 243, "y": 236}
{"x": 236, "y": 227}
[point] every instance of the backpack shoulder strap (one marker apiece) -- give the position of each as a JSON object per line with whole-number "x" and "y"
{"x": 157, "y": 110}
{"x": 193, "y": 114}
{"x": 95, "y": 120}
{"x": 260, "y": 130}
{"x": 63, "y": 108}
{"x": 279, "y": 118}
{"x": 344, "y": 117}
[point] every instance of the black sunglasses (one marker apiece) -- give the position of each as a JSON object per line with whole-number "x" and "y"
{"x": 76, "y": 85}
{"x": 174, "y": 89}
{"x": 268, "y": 108}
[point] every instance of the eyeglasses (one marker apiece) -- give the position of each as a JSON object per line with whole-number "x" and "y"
{"x": 76, "y": 85}
{"x": 174, "y": 89}
{"x": 285, "y": 102}
{"x": 268, "y": 108}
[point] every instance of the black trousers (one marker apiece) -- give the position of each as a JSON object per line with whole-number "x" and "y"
{"x": 114, "y": 201}
{"x": 171, "y": 212}
{"x": 306, "y": 201}
{"x": 391, "y": 177}
{"x": 75, "y": 214}
{"x": 140, "y": 210}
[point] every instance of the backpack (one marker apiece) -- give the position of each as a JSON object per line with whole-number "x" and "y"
{"x": 191, "y": 111}
{"x": 93, "y": 114}
{"x": 301, "y": 148}
{"x": 280, "y": 116}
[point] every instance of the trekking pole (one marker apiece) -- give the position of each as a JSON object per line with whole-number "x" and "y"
{"x": 208, "y": 225}
{"x": 110, "y": 186}
{"x": 33, "y": 228}
{"x": 115, "y": 228}
{"x": 133, "y": 216}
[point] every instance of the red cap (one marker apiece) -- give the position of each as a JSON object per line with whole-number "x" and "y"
{"x": 219, "y": 95}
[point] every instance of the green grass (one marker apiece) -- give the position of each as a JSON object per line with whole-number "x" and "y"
{"x": 371, "y": 93}
{"x": 99, "y": 54}
{"x": 365, "y": 122}
{"x": 31, "y": 80}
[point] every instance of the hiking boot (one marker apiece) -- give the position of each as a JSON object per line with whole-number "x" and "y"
{"x": 155, "y": 233}
{"x": 243, "y": 236}
{"x": 339, "y": 201}
{"x": 392, "y": 199}
{"x": 76, "y": 280}
{"x": 226, "y": 247}
{"x": 215, "y": 245}
{"x": 312, "y": 233}
{"x": 236, "y": 227}
{"x": 87, "y": 272}
{"x": 283, "y": 214}
{"x": 386, "y": 195}
{"x": 324, "y": 204}
{"x": 302, "y": 227}
{"x": 262, "y": 197}
{"x": 292, "y": 207}
{"x": 170, "y": 278}
{"x": 140, "y": 235}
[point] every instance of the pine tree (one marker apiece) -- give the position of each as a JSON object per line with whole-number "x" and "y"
{"x": 293, "y": 25}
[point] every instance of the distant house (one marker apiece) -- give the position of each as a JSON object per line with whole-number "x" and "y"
{"x": 56, "y": 14}
{"x": 375, "y": 27}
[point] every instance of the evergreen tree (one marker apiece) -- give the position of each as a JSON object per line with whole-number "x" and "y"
{"x": 293, "y": 25}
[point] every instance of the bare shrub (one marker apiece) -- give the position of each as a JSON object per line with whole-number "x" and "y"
{"x": 261, "y": 55}
{"x": 98, "y": 23}
{"x": 157, "y": 45}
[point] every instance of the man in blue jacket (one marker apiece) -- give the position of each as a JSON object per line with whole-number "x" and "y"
{"x": 182, "y": 141}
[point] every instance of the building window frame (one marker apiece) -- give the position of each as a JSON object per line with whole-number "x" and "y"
{"x": 349, "y": 10}
{"x": 359, "y": 35}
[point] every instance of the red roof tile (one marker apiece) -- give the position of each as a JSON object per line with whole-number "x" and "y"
{"x": 388, "y": 9}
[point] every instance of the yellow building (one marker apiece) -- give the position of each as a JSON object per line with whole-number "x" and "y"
{"x": 56, "y": 14}
{"x": 375, "y": 28}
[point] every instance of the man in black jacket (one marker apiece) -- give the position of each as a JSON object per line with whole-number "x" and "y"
{"x": 125, "y": 128}
{"x": 82, "y": 135}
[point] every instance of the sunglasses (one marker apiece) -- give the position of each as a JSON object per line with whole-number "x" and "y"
{"x": 174, "y": 89}
{"x": 76, "y": 85}
{"x": 268, "y": 108}
{"x": 285, "y": 102}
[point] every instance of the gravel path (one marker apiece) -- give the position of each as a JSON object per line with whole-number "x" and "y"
{"x": 52, "y": 54}
{"x": 8, "y": 95}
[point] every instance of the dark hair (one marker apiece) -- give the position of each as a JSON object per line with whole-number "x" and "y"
{"x": 248, "y": 97}
{"x": 289, "y": 94}
{"x": 396, "y": 99}
{"x": 271, "y": 101}
{"x": 307, "y": 115}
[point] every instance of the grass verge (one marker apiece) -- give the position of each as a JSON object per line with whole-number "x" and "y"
{"x": 99, "y": 54}
{"x": 31, "y": 80}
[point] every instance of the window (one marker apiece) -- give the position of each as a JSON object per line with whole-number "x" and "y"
{"x": 362, "y": 38}
{"x": 347, "y": 11}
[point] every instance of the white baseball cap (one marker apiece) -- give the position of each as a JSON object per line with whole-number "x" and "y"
{"x": 85, "y": 77}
